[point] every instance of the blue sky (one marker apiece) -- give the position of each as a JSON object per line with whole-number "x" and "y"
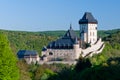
{"x": 44, "y": 15}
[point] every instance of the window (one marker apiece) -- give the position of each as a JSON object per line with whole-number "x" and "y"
{"x": 50, "y": 53}
{"x": 93, "y": 33}
{"x": 96, "y": 28}
{"x": 90, "y": 34}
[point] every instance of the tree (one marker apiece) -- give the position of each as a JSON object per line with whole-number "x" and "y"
{"x": 8, "y": 67}
{"x": 43, "y": 73}
{"x": 24, "y": 70}
{"x": 101, "y": 73}
{"x": 82, "y": 64}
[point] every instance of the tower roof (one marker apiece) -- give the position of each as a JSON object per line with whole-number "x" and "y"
{"x": 88, "y": 18}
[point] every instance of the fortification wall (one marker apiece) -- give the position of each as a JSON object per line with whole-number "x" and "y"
{"x": 95, "y": 48}
{"x": 63, "y": 62}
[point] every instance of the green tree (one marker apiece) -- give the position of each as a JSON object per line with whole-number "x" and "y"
{"x": 101, "y": 73}
{"x": 8, "y": 67}
{"x": 82, "y": 64}
{"x": 24, "y": 70}
{"x": 43, "y": 73}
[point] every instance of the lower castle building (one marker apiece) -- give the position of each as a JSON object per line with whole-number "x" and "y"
{"x": 70, "y": 46}
{"x": 29, "y": 56}
{"x": 65, "y": 48}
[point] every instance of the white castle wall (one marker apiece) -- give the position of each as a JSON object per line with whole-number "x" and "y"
{"x": 92, "y": 33}
{"x": 95, "y": 48}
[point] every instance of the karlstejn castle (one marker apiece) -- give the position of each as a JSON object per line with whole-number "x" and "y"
{"x": 70, "y": 47}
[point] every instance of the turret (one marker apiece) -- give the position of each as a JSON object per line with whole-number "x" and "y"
{"x": 77, "y": 49}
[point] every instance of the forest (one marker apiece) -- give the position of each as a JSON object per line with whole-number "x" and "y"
{"x": 104, "y": 66}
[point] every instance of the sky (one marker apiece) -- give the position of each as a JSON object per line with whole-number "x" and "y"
{"x": 50, "y": 15}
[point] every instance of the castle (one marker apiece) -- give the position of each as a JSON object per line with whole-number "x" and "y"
{"x": 70, "y": 46}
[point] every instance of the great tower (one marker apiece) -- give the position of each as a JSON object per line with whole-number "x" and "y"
{"x": 88, "y": 28}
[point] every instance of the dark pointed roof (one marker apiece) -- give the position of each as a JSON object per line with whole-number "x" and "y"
{"x": 65, "y": 42}
{"x": 88, "y": 18}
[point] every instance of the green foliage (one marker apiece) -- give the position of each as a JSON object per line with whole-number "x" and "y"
{"x": 101, "y": 73}
{"x": 53, "y": 33}
{"x": 8, "y": 67}
{"x": 82, "y": 64}
{"x": 107, "y": 68}
{"x": 107, "y": 71}
{"x": 113, "y": 61}
{"x": 24, "y": 70}
{"x": 36, "y": 40}
{"x": 64, "y": 74}
{"x": 112, "y": 49}
{"x": 106, "y": 33}
{"x": 114, "y": 40}
{"x": 43, "y": 73}
{"x": 28, "y": 40}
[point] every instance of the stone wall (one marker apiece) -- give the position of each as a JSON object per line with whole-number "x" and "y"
{"x": 72, "y": 54}
{"x": 95, "y": 48}
{"x": 63, "y": 62}
{"x": 59, "y": 54}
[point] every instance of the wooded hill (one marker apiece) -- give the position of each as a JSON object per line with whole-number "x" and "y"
{"x": 36, "y": 40}
{"x": 104, "y": 66}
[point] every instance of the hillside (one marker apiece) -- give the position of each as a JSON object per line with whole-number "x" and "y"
{"x": 111, "y": 50}
{"x": 108, "y": 61}
{"x": 27, "y": 40}
{"x": 101, "y": 33}
{"x": 36, "y": 40}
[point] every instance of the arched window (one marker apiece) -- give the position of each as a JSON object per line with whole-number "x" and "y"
{"x": 50, "y": 53}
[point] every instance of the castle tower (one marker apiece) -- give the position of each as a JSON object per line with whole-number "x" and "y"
{"x": 88, "y": 28}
